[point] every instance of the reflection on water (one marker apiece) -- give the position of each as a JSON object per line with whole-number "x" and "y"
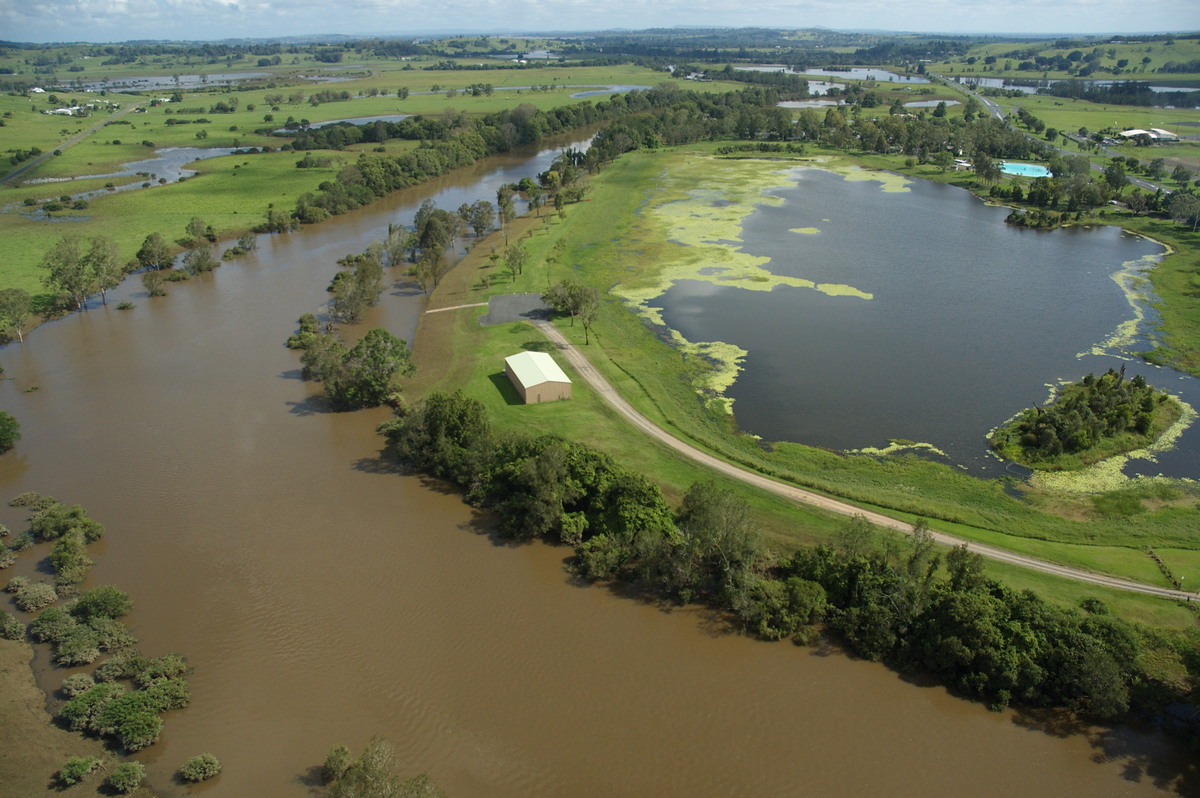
{"x": 970, "y": 323}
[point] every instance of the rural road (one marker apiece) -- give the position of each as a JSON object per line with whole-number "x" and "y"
{"x": 78, "y": 137}
{"x": 606, "y": 391}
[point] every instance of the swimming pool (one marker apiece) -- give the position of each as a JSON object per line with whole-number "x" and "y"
{"x": 1025, "y": 169}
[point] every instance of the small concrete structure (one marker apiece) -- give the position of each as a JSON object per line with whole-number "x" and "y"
{"x": 537, "y": 377}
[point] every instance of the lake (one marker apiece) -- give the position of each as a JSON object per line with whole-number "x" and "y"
{"x": 972, "y": 320}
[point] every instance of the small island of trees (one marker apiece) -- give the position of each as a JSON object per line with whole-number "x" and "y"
{"x": 1092, "y": 419}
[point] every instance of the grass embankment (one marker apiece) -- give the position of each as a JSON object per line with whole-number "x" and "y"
{"x": 609, "y": 240}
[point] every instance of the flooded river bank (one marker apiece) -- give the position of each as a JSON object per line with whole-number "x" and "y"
{"x": 324, "y": 598}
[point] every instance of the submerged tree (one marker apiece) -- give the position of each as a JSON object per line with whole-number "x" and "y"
{"x": 16, "y": 307}
{"x": 67, "y": 270}
{"x": 362, "y": 376}
{"x": 372, "y": 775}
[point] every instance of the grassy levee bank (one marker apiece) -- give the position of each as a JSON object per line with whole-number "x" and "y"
{"x": 605, "y": 241}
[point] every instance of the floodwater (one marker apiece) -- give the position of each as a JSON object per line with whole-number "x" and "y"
{"x": 323, "y": 598}
{"x": 866, "y": 73}
{"x": 972, "y": 320}
{"x": 1031, "y": 85}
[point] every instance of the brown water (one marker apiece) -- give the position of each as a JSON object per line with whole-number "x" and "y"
{"x": 323, "y": 598}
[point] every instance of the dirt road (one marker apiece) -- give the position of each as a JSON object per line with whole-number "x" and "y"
{"x": 78, "y": 137}
{"x": 598, "y": 383}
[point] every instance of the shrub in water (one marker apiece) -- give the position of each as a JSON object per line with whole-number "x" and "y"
{"x": 76, "y": 769}
{"x": 77, "y": 684}
{"x": 35, "y": 596}
{"x": 199, "y": 768}
{"x": 10, "y": 627}
{"x": 126, "y": 777}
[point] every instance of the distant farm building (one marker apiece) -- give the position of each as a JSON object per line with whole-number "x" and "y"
{"x": 537, "y": 377}
{"x": 1153, "y": 134}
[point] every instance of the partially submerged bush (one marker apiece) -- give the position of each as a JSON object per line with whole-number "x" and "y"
{"x": 105, "y": 601}
{"x": 76, "y": 769}
{"x": 77, "y": 684}
{"x": 126, "y": 777}
{"x": 52, "y": 625}
{"x": 56, "y": 520}
{"x": 10, "y": 627}
{"x": 35, "y": 596}
{"x": 200, "y": 768}
{"x": 26, "y": 499}
{"x": 22, "y": 542}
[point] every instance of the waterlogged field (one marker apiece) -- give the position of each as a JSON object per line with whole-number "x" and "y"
{"x": 235, "y": 193}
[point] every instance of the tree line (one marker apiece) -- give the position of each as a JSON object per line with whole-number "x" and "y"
{"x": 887, "y": 598}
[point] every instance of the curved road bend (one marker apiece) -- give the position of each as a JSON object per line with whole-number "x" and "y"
{"x": 610, "y": 395}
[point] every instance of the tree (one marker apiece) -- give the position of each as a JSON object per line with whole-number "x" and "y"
{"x": 482, "y": 217}
{"x": 373, "y": 775}
{"x": 569, "y": 296}
{"x": 155, "y": 253}
{"x": 153, "y": 282}
{"x": 537, "y": 198}
{"x": 355, "y": 291}
{"x": 362, "y": 376}
{"x": 986, "y": 167}
{"x": 199, "y": 259}
{"x": 67, "y": 270}
{"x": 126, "y": 777}
{"x": 505, "y": 208}
{"x": 103, "y": 261}
{"x": 105, "y": 601}
{"x": 1181, "y": 175}
{"x": 195, "y": 229}
{"x": 1114, "y": 175}
{"x": 589, "y": 311}
{"x": 16, "y": 306}
{"x": 515, "y": 257}
{"x": 943, "y": 160}
{"x": 1184, "y": 208}
{"x": 200, "y": 768}
{"x": 76, "y": 769}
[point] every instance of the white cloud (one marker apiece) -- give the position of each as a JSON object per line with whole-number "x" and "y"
{"x": 118, "y": 20}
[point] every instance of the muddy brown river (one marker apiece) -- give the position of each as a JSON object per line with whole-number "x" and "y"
{"x": 323, "y": 598}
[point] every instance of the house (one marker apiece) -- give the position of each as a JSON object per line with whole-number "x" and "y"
{"x": 537, "y": 377}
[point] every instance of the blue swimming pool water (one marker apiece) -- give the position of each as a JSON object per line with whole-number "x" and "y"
{"x": 1025, "y": 170}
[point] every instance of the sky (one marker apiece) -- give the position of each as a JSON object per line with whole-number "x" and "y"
{"x": 126, "y": 20}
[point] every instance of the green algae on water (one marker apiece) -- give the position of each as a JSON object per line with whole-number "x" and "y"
{"x": 702, "y": 227}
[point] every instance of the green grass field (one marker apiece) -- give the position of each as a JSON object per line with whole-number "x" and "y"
{"x": 454, "y": 352}
{"x": 1143, "y": 57}
{"x": 231, "y": 194}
